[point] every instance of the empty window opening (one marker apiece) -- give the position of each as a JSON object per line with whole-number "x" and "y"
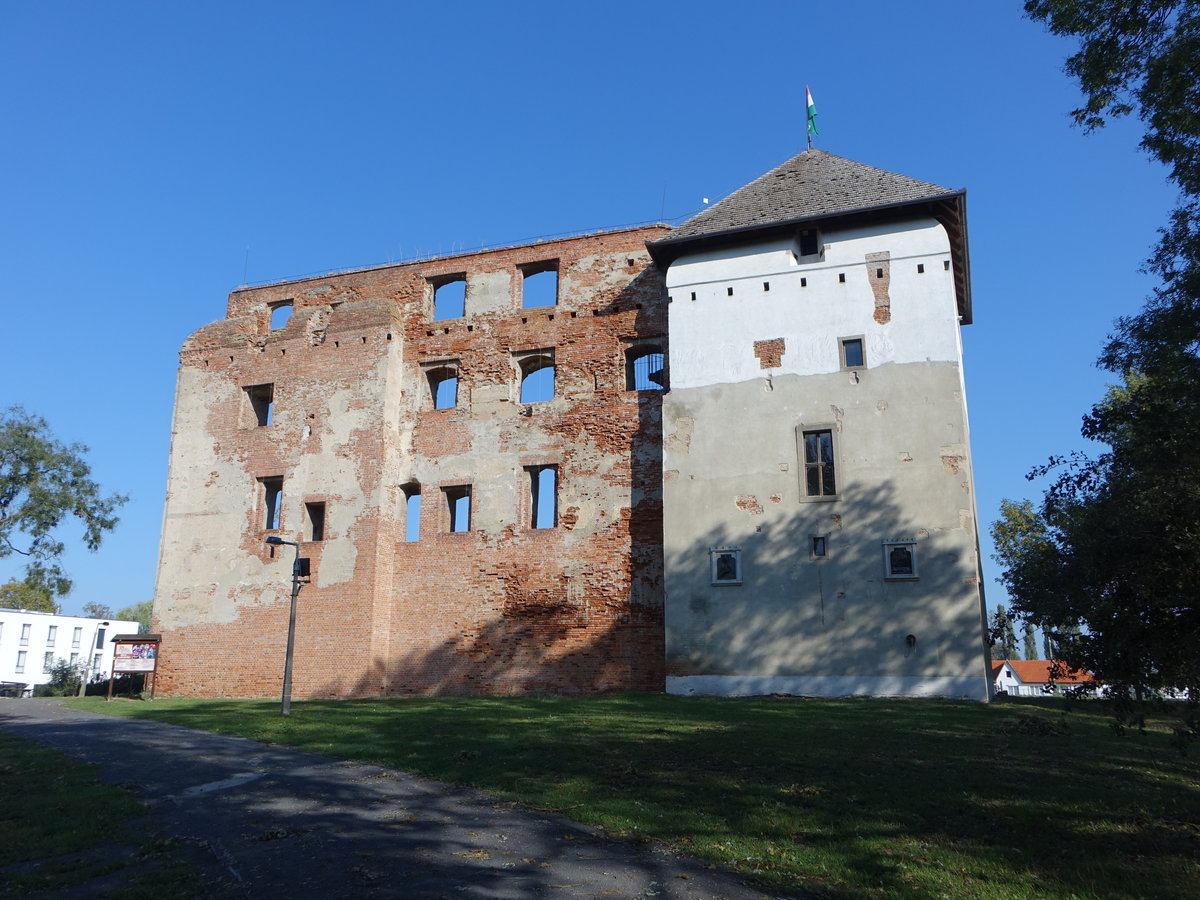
{"x": 412, "y": 512}
{"x": 280, "y": 314}
{"x": 458, "y": 503}
{"x": 262, "y": 401}
{"x": 810, "y": 242}
{"x": 450, "y": 298}
{"x": 920, "y": 268}
{"x": 819, "y": 477}
{"x": 645, "y": 369}
{"x": 543, "y": 496}
{"x": 272, "y": 492}
{"x": 539, "y": 285}
{"x": 314, "y": 516}
{"x": 443, "y": 385}
{"x": 820, "y": 547}
{"x": 693, "y": 295}
{"x": 853, "y": 354}
{"x": 946, "y": 265}
{"x": 537, "y": 376}
{"x": 841, "y": 277}
{"x": 766, "y": 285}
{"x": 729, "y": 292}
{"x": 803, "y": 282}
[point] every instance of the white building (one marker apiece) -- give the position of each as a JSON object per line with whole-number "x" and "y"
{"x": 31, "y": 642}
{"x": 819, "y": 516}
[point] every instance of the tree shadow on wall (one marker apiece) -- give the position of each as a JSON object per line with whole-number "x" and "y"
{"x": 796, "y": 613}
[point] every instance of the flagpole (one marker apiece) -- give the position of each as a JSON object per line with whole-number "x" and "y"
{"x": 810, "y": 116}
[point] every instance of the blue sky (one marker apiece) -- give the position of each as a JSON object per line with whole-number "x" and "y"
{"x": 157, "y": 155}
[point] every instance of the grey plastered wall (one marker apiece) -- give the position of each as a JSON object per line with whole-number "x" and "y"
{"x": 754, "y": 336}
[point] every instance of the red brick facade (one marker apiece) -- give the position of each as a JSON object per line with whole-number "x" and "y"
{"x": 502, "y": 607}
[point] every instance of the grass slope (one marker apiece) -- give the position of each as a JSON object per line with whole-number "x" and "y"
{"x": 848, "y": 799}
{"x": 63, "y": 831}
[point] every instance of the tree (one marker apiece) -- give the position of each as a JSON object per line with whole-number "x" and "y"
{"x": 43, "y": 483}
{"x": 1004, "y": 636}
{"x": 138, "y": 612}
{"x": 22, "y": 595}
{"x": 95, "y": 610}
{"x": 1139, "y": 56}
{"x": 1029, "y": 638}
{"x": 1109, "y": 563}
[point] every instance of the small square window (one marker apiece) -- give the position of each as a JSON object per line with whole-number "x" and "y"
{"x": 645, "y": 368}
{"x": 281, "y": 313}
{"x": 539, "y": 284}
{"x": 726, "y": 565}
{"x": 443, "y": 383}
{"x": 449, "y": 297}
{"x": 819, "y": 546}
{"x": 853, "y": 352}
{"x": 900, "y": 560}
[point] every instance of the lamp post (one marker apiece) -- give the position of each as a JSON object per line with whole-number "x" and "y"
{"x": 87, "y": 662}
{"x": 285, "y": 708}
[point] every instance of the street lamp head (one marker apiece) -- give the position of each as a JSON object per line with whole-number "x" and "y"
{"x": 275, "y": 540}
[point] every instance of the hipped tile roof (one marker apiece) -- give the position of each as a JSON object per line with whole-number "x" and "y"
{"x": 812, "y": 184}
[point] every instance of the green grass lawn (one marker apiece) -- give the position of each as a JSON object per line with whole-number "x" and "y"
{"x": 851, "y": 798}
{"x": 64, "y": 832}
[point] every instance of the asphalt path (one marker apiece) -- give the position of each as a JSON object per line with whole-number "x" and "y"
{"x": 266, "y": 821}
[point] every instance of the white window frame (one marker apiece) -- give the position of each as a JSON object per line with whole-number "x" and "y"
{"x": 715, "y": 554}
{"x": 888, "y": 574}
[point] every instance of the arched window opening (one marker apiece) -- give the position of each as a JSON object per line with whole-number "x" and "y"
{"x": 280, "y": 314}
{"x": 645, "y": 369}
{"x": 537, "y": 376}
{"x": 443, "y": 386}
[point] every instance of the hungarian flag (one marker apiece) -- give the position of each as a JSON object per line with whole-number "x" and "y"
{"x": 812, "y": 111}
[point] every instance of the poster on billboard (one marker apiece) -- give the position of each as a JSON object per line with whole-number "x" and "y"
{"x": 139, "y": 654}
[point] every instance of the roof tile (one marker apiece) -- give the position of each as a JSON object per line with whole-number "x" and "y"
{"x": 811, "y": 184}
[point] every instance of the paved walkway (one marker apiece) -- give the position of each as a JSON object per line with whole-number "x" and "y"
{"x": 274, "y": 822}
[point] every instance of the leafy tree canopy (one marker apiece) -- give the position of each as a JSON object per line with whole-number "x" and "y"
{"x": 1139, "y": 56}
{"x": 44, "y": 483}
{"x": 138, "y": 612}
{"x": 23, "y": 595}
{"x": 1109, "y": 563}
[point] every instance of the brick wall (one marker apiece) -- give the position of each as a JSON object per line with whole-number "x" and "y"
{"x": 503, "y": 607}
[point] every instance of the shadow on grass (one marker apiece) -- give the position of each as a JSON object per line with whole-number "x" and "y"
{"x": 907, "y": 798}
